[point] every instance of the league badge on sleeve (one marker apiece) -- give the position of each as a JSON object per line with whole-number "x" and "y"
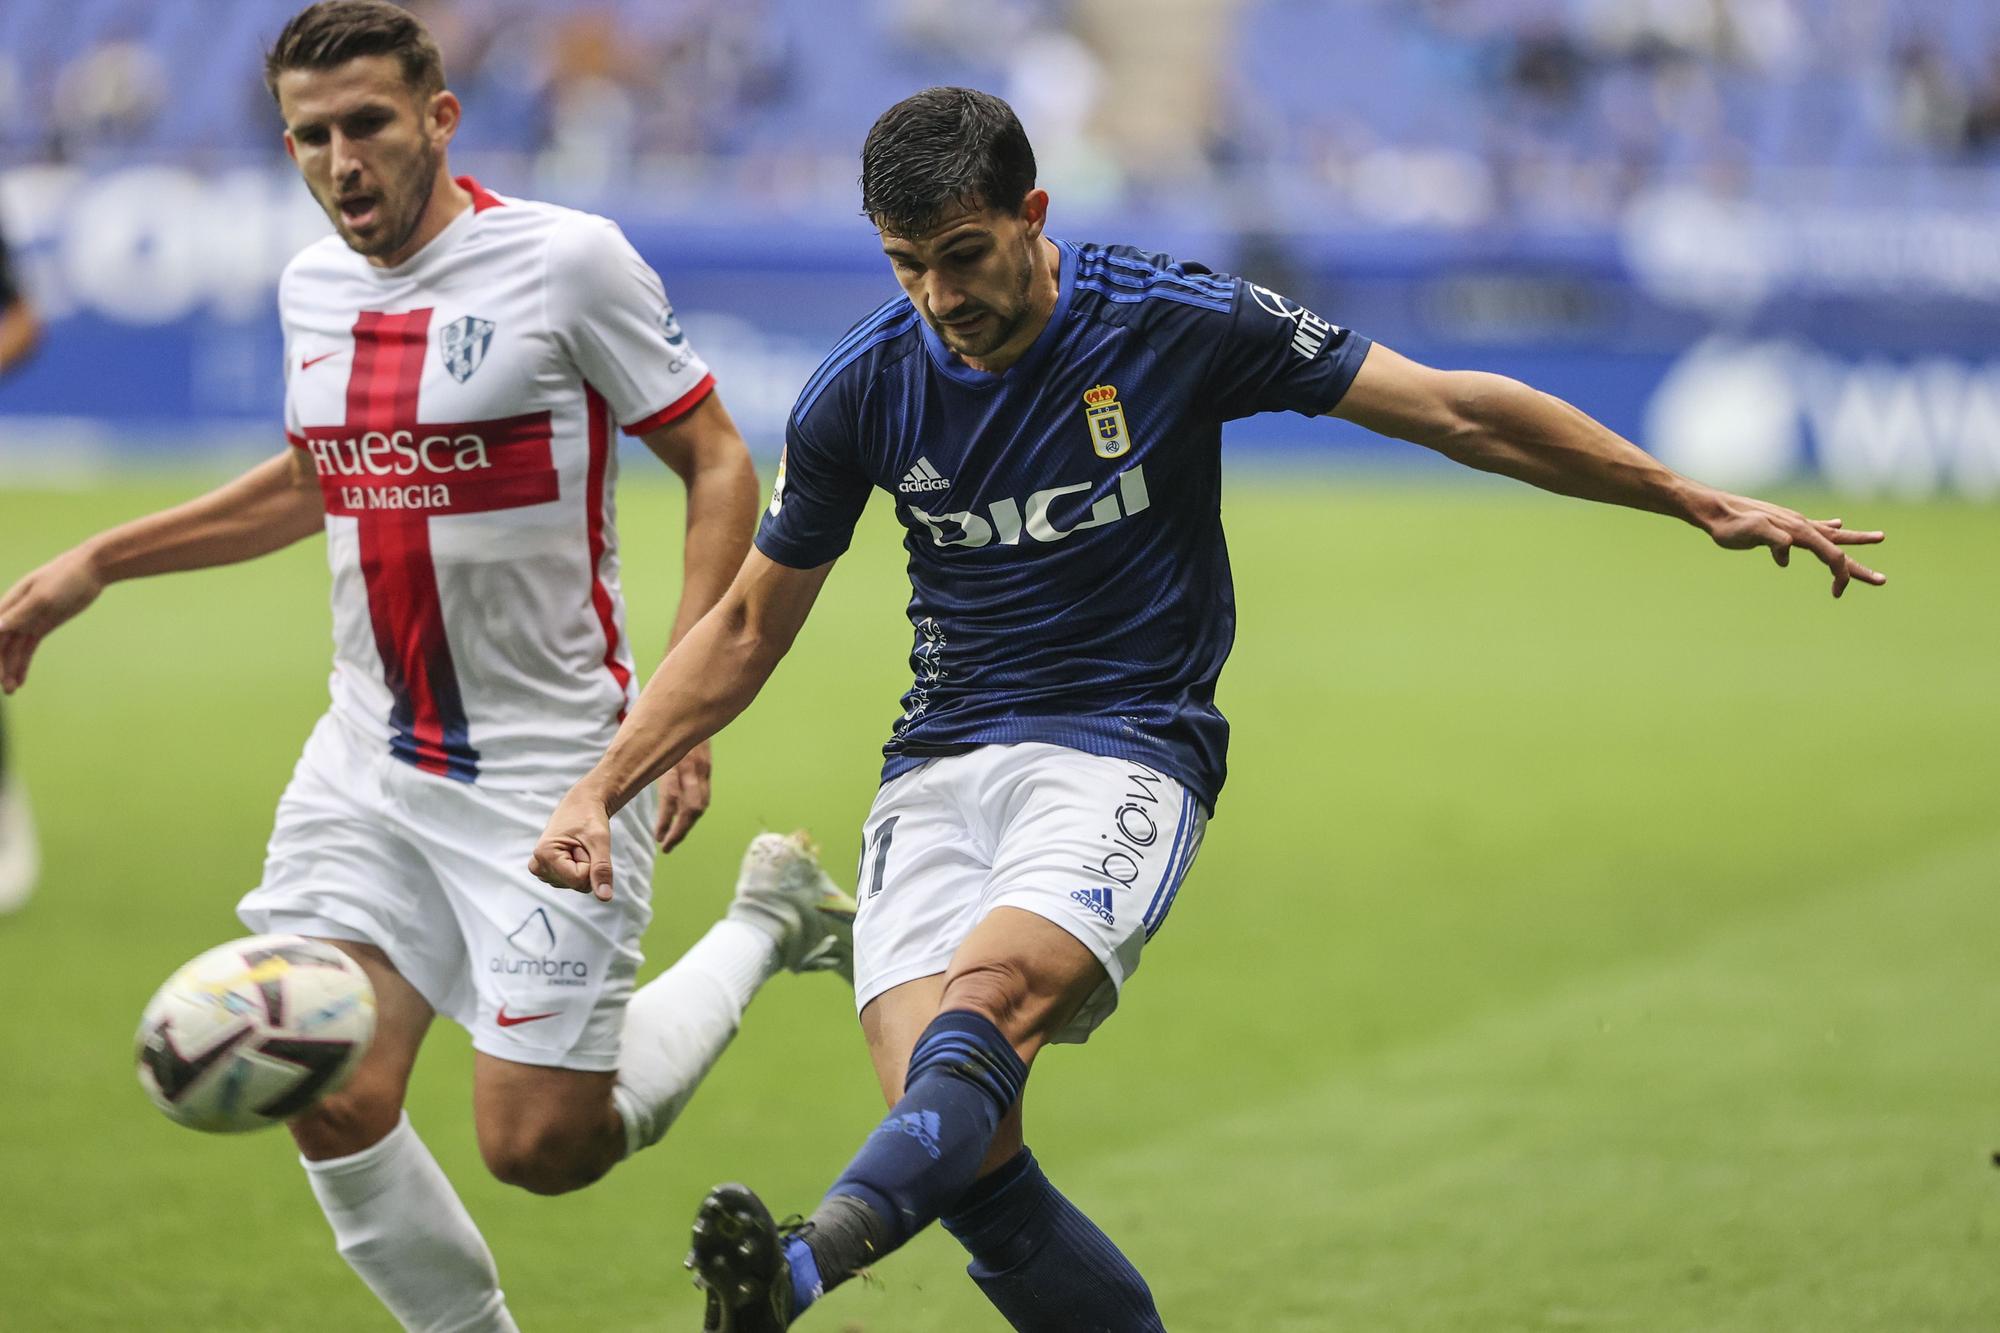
{"x": 1106, "y": 416}
{"x": 778, "y": 486}
{"x": 463, "y": 344}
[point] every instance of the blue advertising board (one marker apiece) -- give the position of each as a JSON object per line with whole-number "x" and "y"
{"x": 1740, "y": 355}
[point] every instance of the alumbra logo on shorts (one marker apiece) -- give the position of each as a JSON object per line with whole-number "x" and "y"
{"x": 535, "y": 940}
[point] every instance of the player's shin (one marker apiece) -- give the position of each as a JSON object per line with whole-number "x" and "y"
{"x": 400, "y": 1226}
{"x": 1044, "y": 1265}
{"x": 678, "y": 1024}
{"x": 963, "y": 1076}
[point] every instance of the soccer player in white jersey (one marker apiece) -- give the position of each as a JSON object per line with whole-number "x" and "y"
{"x": 1047, "y": 417}
{"x": 456, "y": 365}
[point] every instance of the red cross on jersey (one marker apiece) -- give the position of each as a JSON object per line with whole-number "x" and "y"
{"x": 458, "y": 410}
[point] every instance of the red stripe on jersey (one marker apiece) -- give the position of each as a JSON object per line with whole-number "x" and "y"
{"x": 593, "y": 500}
{"x": 482, "y": 198}
{"x": 427, "y": 716}
{"x": 673, "y": 411}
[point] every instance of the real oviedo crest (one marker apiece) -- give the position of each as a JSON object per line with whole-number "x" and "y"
{"x": 1106, "y": 416}
{"x": 463, "y": 344}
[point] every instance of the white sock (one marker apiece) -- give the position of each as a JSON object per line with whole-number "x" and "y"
{"x": 400, "y": 1225}
{"x": 677, "y": 1025}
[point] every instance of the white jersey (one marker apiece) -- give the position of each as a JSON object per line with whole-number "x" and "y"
{"x": 459, "y": 410}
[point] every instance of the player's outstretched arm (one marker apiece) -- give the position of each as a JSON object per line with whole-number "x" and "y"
{"x": 271, "y": 506}
{"x": 1500, "y": 425}
{"x": 711, "y": 675}
{"x": 706, "y": 451}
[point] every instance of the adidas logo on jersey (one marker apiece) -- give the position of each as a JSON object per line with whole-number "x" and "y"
{"x": 924, "y": 477}
{"x": 1098, "y": 901}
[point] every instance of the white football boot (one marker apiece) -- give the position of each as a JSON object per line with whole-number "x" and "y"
{"x": 783, "y": 892}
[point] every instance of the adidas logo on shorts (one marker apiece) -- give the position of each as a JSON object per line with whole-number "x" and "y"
{"x": 1098, "y": 901}
{"x": 924, "y": 477}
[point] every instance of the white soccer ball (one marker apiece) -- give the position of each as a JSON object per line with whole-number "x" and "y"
{"x": 253, "y": 1032}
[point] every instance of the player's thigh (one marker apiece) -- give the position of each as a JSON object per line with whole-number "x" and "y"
{"x": 1096, "y": 849}
{"x": 368, "y": 1105}
{"x": 547, "y": 972}
{"x": 342, "y": 865}
{"x": 923, "y": 870}
{"x": 1024, "y": 973}
{"x": 544, "y": 1128}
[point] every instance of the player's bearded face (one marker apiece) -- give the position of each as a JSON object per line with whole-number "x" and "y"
{"x": 971, "y": 279}
{"x": 369, "y": 148}
{"x": 376, "y": 213}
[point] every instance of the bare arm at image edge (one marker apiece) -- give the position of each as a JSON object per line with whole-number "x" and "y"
{"x": 20, "y": 327}
{"x": 20, "y": 334}
{"x": 269, "y": 507}
{"x": 1500, "y": 425}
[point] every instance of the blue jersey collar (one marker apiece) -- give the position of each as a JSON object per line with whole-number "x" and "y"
{"x": 947, "y": 360}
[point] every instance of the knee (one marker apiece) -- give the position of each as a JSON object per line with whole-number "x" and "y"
{"x": 356, "y": 1118}
{"x": 998, "y": 991}
{"x": 543, "y": 1159}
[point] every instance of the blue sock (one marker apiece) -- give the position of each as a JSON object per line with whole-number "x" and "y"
{"x": 1044, "y": 1265}
{"x": 807, "y": 1285}
{"x": 963, "y": 1076}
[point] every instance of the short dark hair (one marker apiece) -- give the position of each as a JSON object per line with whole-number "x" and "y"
{"x": 939, "y": 148}
{"x": 333, "y": 32}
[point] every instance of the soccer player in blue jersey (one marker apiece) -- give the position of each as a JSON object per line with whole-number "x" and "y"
{"x": 1047, "y": 417}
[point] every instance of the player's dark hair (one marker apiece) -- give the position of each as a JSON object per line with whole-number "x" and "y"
{"x": 941, "y": 148}
{"x": 333, "y": 32}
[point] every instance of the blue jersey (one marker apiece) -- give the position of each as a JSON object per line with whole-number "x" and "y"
{"x": 1068, "y": 576}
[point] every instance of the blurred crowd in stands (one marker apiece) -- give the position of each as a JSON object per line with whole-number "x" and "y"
{"x": 1456, "y": 113}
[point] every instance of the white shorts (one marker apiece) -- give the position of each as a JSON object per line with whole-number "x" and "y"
{"x": 435, "y": 874}
{"x": 1097, "y": 846}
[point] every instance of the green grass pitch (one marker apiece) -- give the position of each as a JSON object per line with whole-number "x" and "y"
{"x": 1596, "y": 934}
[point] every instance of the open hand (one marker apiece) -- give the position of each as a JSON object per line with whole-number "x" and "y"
{"x": 38, "y": 603}
{"x": 1743, "y": 523}
{"x": 684, "y": 794}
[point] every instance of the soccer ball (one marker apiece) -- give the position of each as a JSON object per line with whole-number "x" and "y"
{"x": 254, "y": 1032}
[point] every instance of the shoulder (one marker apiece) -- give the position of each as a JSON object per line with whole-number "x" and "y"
{"x": 568, "y": 241}
{"x": 588, "y": 267}
{"x": 887, "y": 336}
{"x": 573, "y": 242}
{"x": 327, "y": 260}
{"x": 1126, "y": 284}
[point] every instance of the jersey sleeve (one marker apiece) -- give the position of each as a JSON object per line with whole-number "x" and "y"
{"x": 1272, "y": 354}
{"x": 817, "y": 498}
{"x": 294, "y": 431}
{"x": 610, "y": 311}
